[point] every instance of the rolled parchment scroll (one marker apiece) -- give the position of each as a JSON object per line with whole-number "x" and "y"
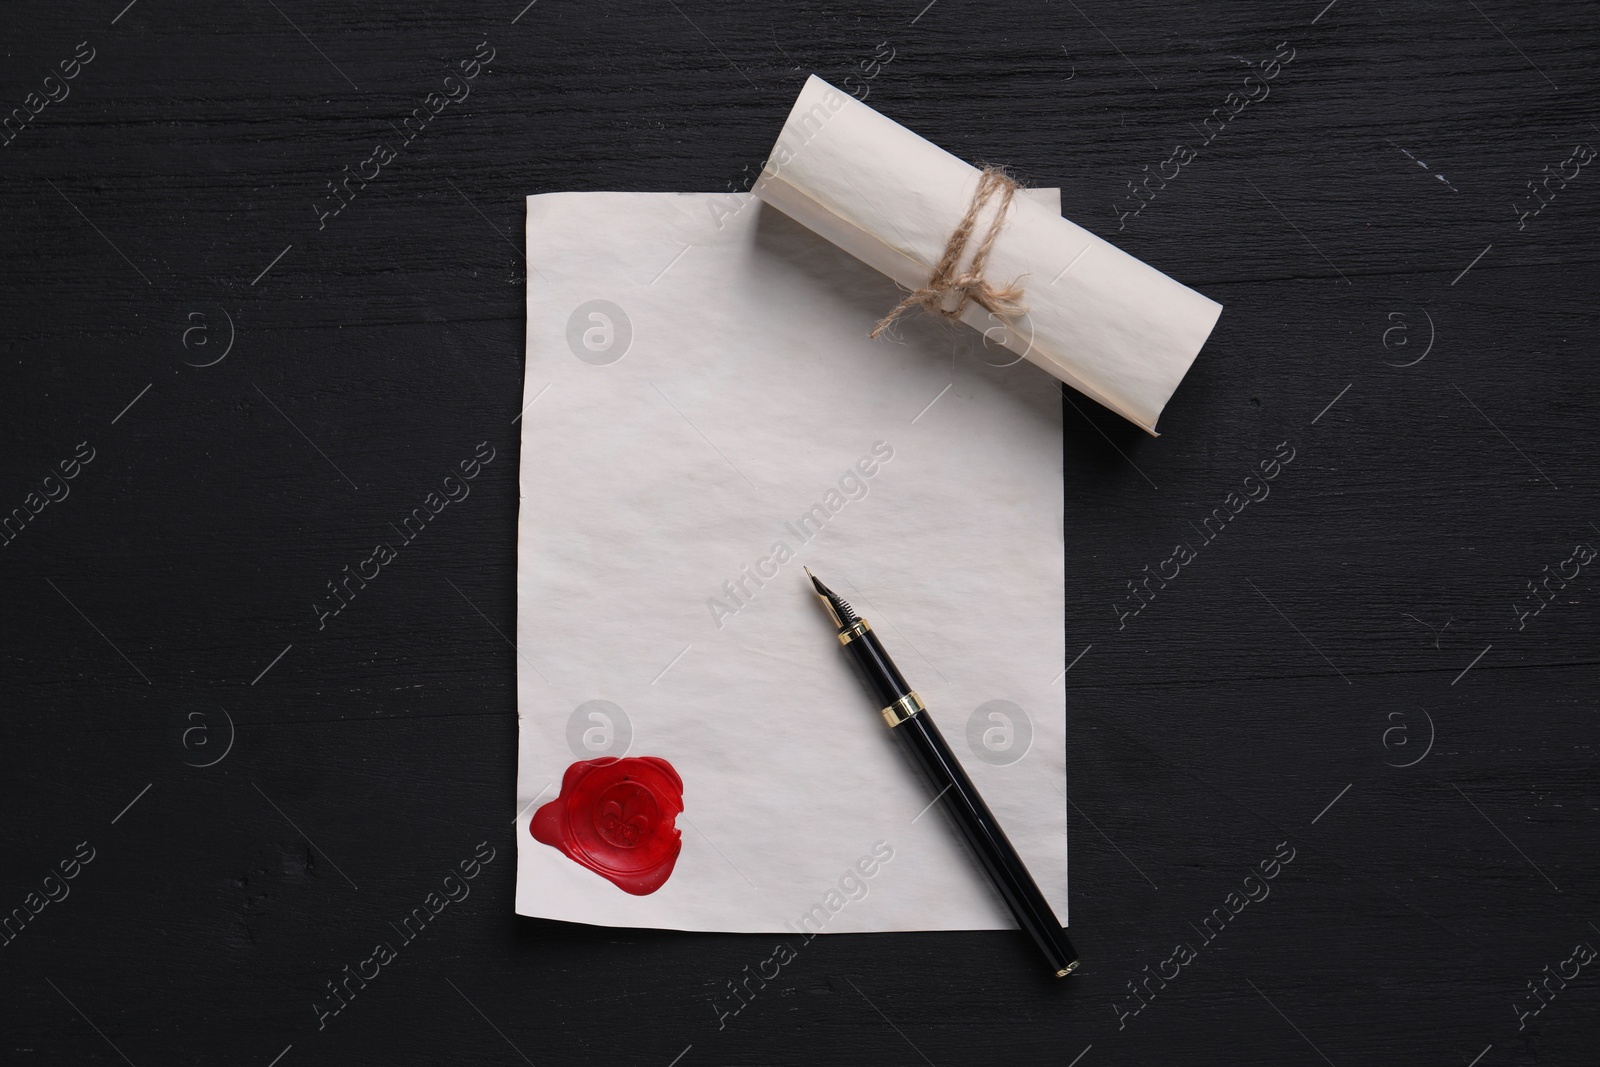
{"x": 1110, "y": 326}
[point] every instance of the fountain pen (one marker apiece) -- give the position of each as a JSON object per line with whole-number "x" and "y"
{"x": 909, "y": 720}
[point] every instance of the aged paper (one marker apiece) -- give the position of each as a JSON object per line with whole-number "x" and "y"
{"x": 704, "y": 414}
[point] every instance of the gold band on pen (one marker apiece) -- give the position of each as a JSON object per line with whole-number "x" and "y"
{"x": 853, "y": 631}
{"x": 1068, "y": 969}
{"x": 903, "y": 709}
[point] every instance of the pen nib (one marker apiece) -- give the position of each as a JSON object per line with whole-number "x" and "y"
{"x": 843, "y": 612}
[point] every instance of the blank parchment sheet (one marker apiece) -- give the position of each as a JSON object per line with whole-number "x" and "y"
{"x": 704, "y": 415}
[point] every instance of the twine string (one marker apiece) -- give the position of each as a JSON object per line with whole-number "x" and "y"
{"x": 969, "y": 285}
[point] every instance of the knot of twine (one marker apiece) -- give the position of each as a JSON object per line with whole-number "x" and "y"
{"x": 969, "y": 285}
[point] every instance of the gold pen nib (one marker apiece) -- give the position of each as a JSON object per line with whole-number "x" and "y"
{"x": 840, "y": 611}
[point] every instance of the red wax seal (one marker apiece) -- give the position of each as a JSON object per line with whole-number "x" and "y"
{"x": 615, "y": 817}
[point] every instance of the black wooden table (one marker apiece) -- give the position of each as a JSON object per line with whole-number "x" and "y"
{"x": 1372, "y": 675}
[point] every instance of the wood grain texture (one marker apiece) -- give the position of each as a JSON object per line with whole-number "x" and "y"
{"x": 1268, "y": 693}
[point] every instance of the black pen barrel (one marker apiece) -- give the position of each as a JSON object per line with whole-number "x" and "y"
{"x": 902, "y": 709}
{"x": 988, "y": 841}
{"x": 873, "y": 664}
